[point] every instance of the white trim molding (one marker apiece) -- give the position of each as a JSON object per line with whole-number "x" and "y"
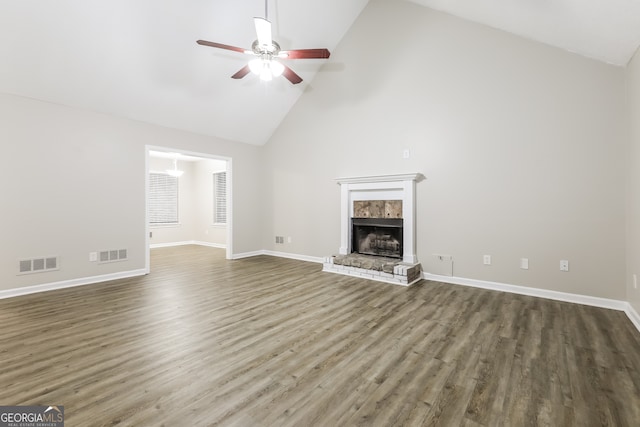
{"x": 16, "y": 292}
{"x": 533, "y": 292}
{"x": 632, "y": 314}
{"x": 381, "y": 178}
{"x": 307, "y": 258}
{"x": 380, "y": 187}
{"x": 187, "y": 242}
{"x": 243, "y": 255}
{"x": 210, "y": 245}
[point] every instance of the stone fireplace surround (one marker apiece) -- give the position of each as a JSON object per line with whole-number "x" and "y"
{"x": 369, "y": 188}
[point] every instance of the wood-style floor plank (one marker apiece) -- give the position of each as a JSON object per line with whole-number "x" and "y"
{"x": 266, "y": 341}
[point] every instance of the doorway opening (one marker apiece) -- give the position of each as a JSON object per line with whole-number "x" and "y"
{"x": 188, "y": 200}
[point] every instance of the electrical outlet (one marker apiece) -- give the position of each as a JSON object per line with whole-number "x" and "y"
{"x": 289, "y": 239}
{"x": 93, "y": 256}
{"x": 524, "y": 263}
{"x": 635, "y": 281}
{"x": 486, "y": 260}
{"x": 564, "y": 265}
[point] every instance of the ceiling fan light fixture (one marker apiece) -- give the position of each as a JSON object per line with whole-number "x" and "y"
{"x": 267, "y": 69}
{"x": 255, "y": 65}
{"x": 265, "y": 74}
{"x": 276, "y": 68}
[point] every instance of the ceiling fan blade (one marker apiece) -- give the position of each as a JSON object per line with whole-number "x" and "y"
{"x": 304, "y": 53}
{"x": 263, "y": 30}
{"x": 290, "y": 75}
{"x": 242, "y": 72}
{"x": 221, "y": 46}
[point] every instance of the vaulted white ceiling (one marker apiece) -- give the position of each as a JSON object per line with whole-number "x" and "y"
{"x": 139, "y": 60}
{"x": 606, "y": 30}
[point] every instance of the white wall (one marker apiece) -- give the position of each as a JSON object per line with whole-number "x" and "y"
{"x": 522, "y": 144}
{"x": 633, "y": 183}
{"x": 73, "y": 182}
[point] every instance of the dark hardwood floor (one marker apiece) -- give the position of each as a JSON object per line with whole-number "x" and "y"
{"x": 264, "y": 341}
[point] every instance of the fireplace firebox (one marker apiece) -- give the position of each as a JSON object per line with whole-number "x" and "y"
{"x": 377, "y": 236}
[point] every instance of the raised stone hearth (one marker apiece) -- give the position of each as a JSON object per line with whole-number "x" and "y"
{"x": 389, "y": 270}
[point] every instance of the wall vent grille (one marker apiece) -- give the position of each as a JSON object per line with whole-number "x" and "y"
{"x": 38, "y": 265}
{"x": 112, "y": 255}
{"x": 25, "y": 266}
{"x": 51, "y": 263}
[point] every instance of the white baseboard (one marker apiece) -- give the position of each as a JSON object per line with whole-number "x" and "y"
{"x": 632, "y": 314}
{"x": 247, "y": 254}
{"x": 298, "y": 257}
{"x": 288, "y": 255}
{"x": 187, "y": 242}
{"x": 168, "y": 245}
{"x": 16, "y": 292}
{"x": 209, "y": 244}
{"x": 534, "y": 292}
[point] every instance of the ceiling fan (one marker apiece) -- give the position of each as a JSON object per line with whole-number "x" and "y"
{"x": 267, "y": 52}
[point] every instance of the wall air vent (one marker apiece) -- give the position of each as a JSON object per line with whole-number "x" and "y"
{"x": 25, "y": 266}
{"x": 51, "y": 263}
{"x": 112, "y": 255}
{"x": 38, "y": 265}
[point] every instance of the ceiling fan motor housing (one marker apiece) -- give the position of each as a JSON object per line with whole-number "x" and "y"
{"x": 259, "y": 49}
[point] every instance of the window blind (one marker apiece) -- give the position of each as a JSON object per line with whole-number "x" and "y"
{"x": 220, "y": 198}
{"x": 163, "y": 199}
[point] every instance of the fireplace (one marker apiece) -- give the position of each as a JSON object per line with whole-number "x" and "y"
{"x": 377, "y": 236}
{"x": 378, "y": 217}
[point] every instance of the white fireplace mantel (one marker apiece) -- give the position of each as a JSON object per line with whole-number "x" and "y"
{"x": 380, "y": 187}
